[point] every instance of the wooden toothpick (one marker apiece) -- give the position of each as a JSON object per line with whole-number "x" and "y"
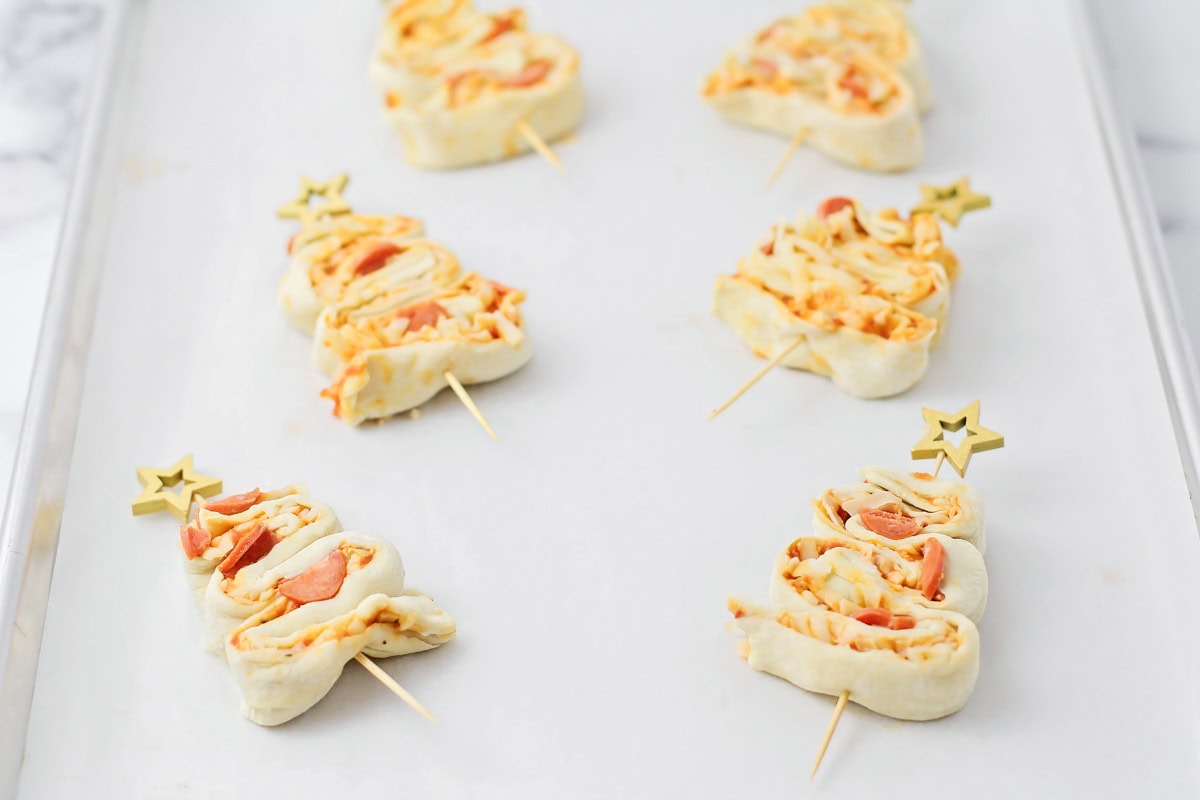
{"x": 539, "y": 144}
{"x": 396, "y": 688}
{"x": 794, "y": 145}
{"x": 469, "y": 403}
{"x": 837, "y": 714}
{"x": 758, "y": 376}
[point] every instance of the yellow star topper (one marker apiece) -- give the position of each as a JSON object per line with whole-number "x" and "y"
{"x": 952, "y": 201}
{"x": 156, "y": 496}
{"x": 330, "y": 191}
{"x": 934, "y": 444}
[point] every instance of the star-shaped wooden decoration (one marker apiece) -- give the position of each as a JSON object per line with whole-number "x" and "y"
{"x": 952, "y": 201}
{"x": 330, "y": 191}
{"x": 977, "y": 440}
{"x": 156, "y": 496}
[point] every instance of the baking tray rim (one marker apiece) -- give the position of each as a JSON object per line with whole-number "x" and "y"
{"x": 36, "y": 491}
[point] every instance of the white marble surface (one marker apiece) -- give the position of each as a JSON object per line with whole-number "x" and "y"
{"x": 47, "y": 48}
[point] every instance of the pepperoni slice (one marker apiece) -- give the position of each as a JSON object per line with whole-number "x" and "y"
{"x": 832, "y": 205}
{"x": 374, "y": 257}
{"x": 854, "y": 82}
{"x": 499, "y": 28}
{"x": 254, "y": 544}
{"x": 321, "y": 581}
{"x": 533, "y": 72}
{"x": 767, "y": 68}
{"x": 889, "y": 524}
{"x": 194, "y": 540}
{"x": 873, "y": 616}
{"x": 421, "y": 314}
{"x": 933, "y": 567}
{"x": 882, "y": 618}
{"x": 235, "y": 503}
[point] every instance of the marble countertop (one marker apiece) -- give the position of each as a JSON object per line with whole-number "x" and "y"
{"x": 47, "y": 48}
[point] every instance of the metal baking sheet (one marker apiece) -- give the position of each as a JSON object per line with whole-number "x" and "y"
{"x": 587, "y": 556}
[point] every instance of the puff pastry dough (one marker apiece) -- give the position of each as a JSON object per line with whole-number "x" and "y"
{"x": 457, "y": 83}
{"x": 391, "y": 354}
{"x": 273, "y": 527}
{"x": 838, "y": 72}
{"x": 331, "y": 253}
{"x": 287, "y": 632}
{"x": 867, "y": 293}
{"x": 881, "y": 601}
{"x": 288, "y": 598}
{"x": 392, "y": 312}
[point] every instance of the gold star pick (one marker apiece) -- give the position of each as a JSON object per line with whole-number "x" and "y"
{"x": 952, "y": 201}
{"x": 330, "y": 191}
{"x": 977, "y": 440}
{"x": 157, "y": 497}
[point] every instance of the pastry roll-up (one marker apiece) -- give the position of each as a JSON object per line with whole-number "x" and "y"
{"x": 285, "y": 665}
{"x": 331, "y": 253}
{"x": 913, "y": 664}
{"x": 367, "y": 564}
{"x": 870, "y": 346}
{"x": 423, "y": 272}
{"x": 472, "y": 114}
{"x": 421, "y": 39}
{"x": 854, "y": 108}
{"x": 890, "y": 506}
{"x": 393, "y": 355}
{"x": 876, "y": 253}
{"x": 928, "y": 570}
{"x": 879, "y": 26}
{"x": 262, "y": 528}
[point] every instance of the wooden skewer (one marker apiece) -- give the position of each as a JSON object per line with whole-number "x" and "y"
{"x": 837, "y": 714}
{"x": 794, "y": 145}
{"x": 758, "y": 376}
{"x": 469, "y": 403}
{"x": 937, "y": 465}
{"x": 396, "y": 688}
{"x": 539, "y": 144}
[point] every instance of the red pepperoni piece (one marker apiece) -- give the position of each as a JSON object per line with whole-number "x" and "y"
{"x": 882, "y": 618}
{"x": 321, "y": 581}
{"x": 194, "y": 540}
{"x": 499, "y": 28}
{"x": 421, "y": 314}
{"x": 252, "y": 546}
{"x": 374, "y": 257}
{"x": 933, "y": 567}
{"x": 889, "y": 524}
{"x": 235, "y": 503}
{"x": 767, "y": 68}
{"x": 533, "y": 72}
{"x": 832, "y": 205}
{"x": 854, "y": 82}
{"x": 873, "y": 616}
